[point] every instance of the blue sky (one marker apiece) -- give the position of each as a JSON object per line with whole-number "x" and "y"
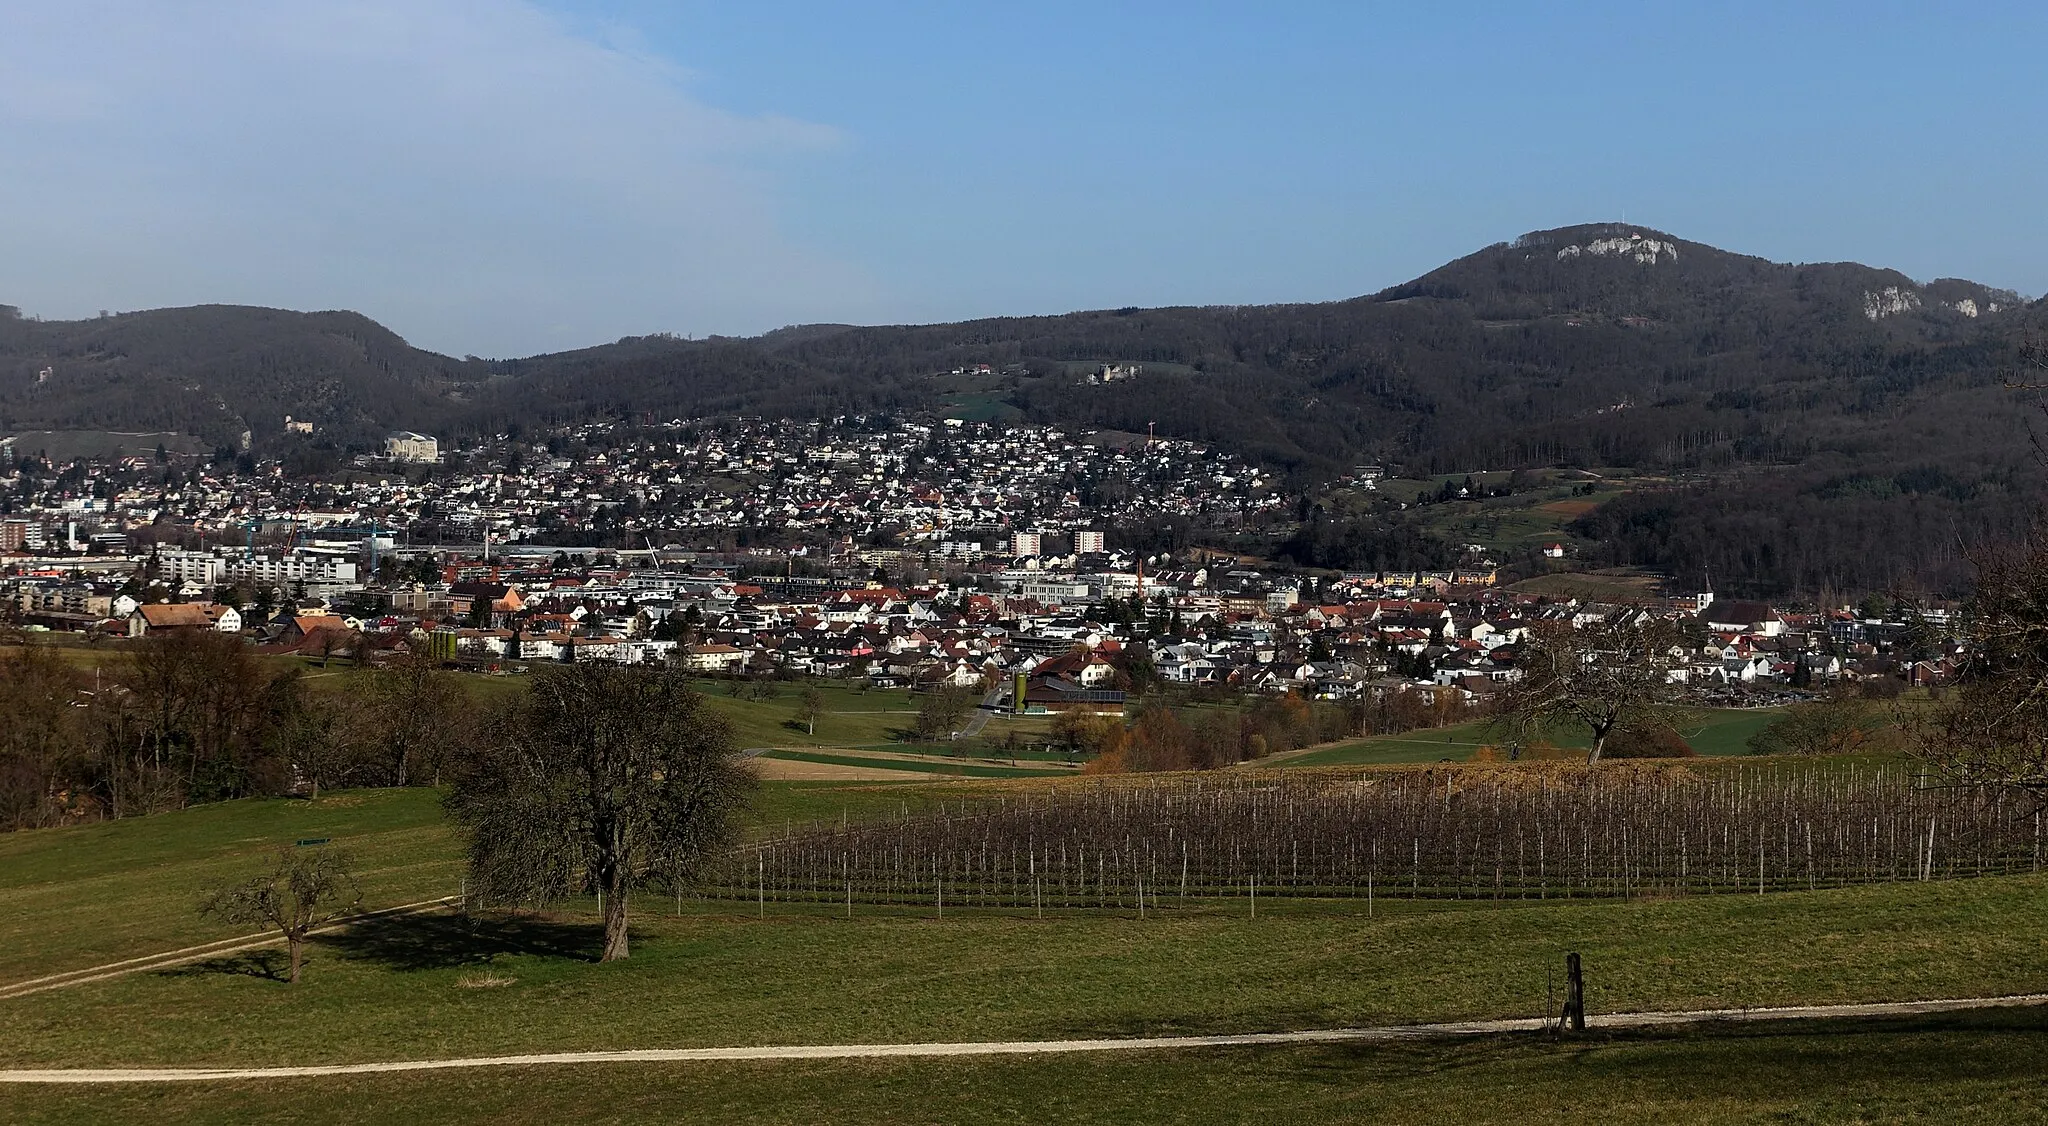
{"x": 502, "y": 177}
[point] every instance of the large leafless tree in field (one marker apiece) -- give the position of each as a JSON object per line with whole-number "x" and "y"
{"x": 609, "y": 776}
{"x": 1604, "y": 676}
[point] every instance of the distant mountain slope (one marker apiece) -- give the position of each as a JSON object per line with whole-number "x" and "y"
{"x": 1600, "y": 343}
{"x": 218, "y": 370}
{"x": 1838, "y": 394}
{"x": 1597, "y": 344}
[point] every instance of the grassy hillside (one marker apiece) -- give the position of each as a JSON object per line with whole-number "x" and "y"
{"x": 77, "y": 897}
{"x": 709, "y": 973}
{"x": 84, "y": 896}
{"x": 717, "y": 975}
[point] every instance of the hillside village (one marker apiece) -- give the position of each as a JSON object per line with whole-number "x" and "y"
{"x": 895, "y": 554}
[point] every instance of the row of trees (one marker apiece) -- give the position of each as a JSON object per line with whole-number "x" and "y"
{"x": 196, "y": 716}
{"x": 1166, "y": 737}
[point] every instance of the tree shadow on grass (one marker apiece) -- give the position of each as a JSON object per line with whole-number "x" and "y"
{"x": 271, "y": 965}
{"x": 440, "y": 940}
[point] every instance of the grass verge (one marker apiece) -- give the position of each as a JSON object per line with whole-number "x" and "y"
{"x": 1980, "y": 1068}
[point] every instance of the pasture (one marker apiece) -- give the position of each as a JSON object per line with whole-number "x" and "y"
{"x": 1710, "y": 731}
{"x": 741, "y": 969}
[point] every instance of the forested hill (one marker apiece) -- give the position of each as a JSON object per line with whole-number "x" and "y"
{"x": 1598, "y": 344}
{"x": 1826, "y": 392}
{"x": 217, "y": 371}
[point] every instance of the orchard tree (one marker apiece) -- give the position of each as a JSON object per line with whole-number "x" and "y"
{"x": 1604, "y": 676}
{"x": 609, "y": 775}
{"x": 810, "y": 705}
{"x": 305, "y": 889}
{"x": 944, "y": 705}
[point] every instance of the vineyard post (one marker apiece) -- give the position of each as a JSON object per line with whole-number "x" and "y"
{"x": 1255, "y": 895}
{"x": 1927, "y": 865}
{"x": 1371, "y": 870}
{"x": 761, "y": 886}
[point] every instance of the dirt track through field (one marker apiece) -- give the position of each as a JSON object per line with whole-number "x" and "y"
{"x": 198, "y": 953}
{"x": 1381, "y": 1034}
{"x": 796, "y": 770}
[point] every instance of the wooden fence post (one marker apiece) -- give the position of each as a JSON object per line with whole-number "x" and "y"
{"x": 1574, "y": 993}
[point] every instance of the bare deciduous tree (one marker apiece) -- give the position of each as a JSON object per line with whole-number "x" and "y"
{"x": 1992, "y": 729}
{"x": 809, "y": 707}
{"x": 945, "y": 705}
{"x": 40, "y": 730}
{"x": 414, "y": 707}
{"x": 610, "y": 774}
{"x": 1603, "y": 677}
{"x": 1837, "y": 724}
{"x": 305, "y": 889}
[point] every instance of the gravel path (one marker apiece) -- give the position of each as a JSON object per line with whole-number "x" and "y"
{"x": 1007, "y": 1047}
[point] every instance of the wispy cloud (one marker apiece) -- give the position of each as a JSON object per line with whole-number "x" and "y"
{"x": 474, "y": 172}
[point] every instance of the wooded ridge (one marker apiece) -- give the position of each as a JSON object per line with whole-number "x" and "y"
{"x": 1871, "y": 410}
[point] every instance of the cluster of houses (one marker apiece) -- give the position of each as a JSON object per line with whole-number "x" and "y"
{"x": 1026, "y": 634}
{"x": 914, "y": 553}
{"x": 944, "y": 487}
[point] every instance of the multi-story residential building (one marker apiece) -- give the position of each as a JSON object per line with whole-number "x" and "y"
{"x": 174, "y": 567}
{"x": 404, "y": 445}
{"x": 295, "y": 567}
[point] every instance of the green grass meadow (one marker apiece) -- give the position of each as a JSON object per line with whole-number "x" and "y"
{"x": 1978, "y": 1068}
{"x": 1716, "y": 732}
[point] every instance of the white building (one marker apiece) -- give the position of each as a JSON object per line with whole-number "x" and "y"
{"x": 299, "y": 566}
{"x": 1025, "y": 543}
{"x": 1056, "y": 590}
{"x": 1086, "y": 543}
{"x": 175, "y": 566}
{"x": 404, "y": 445}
